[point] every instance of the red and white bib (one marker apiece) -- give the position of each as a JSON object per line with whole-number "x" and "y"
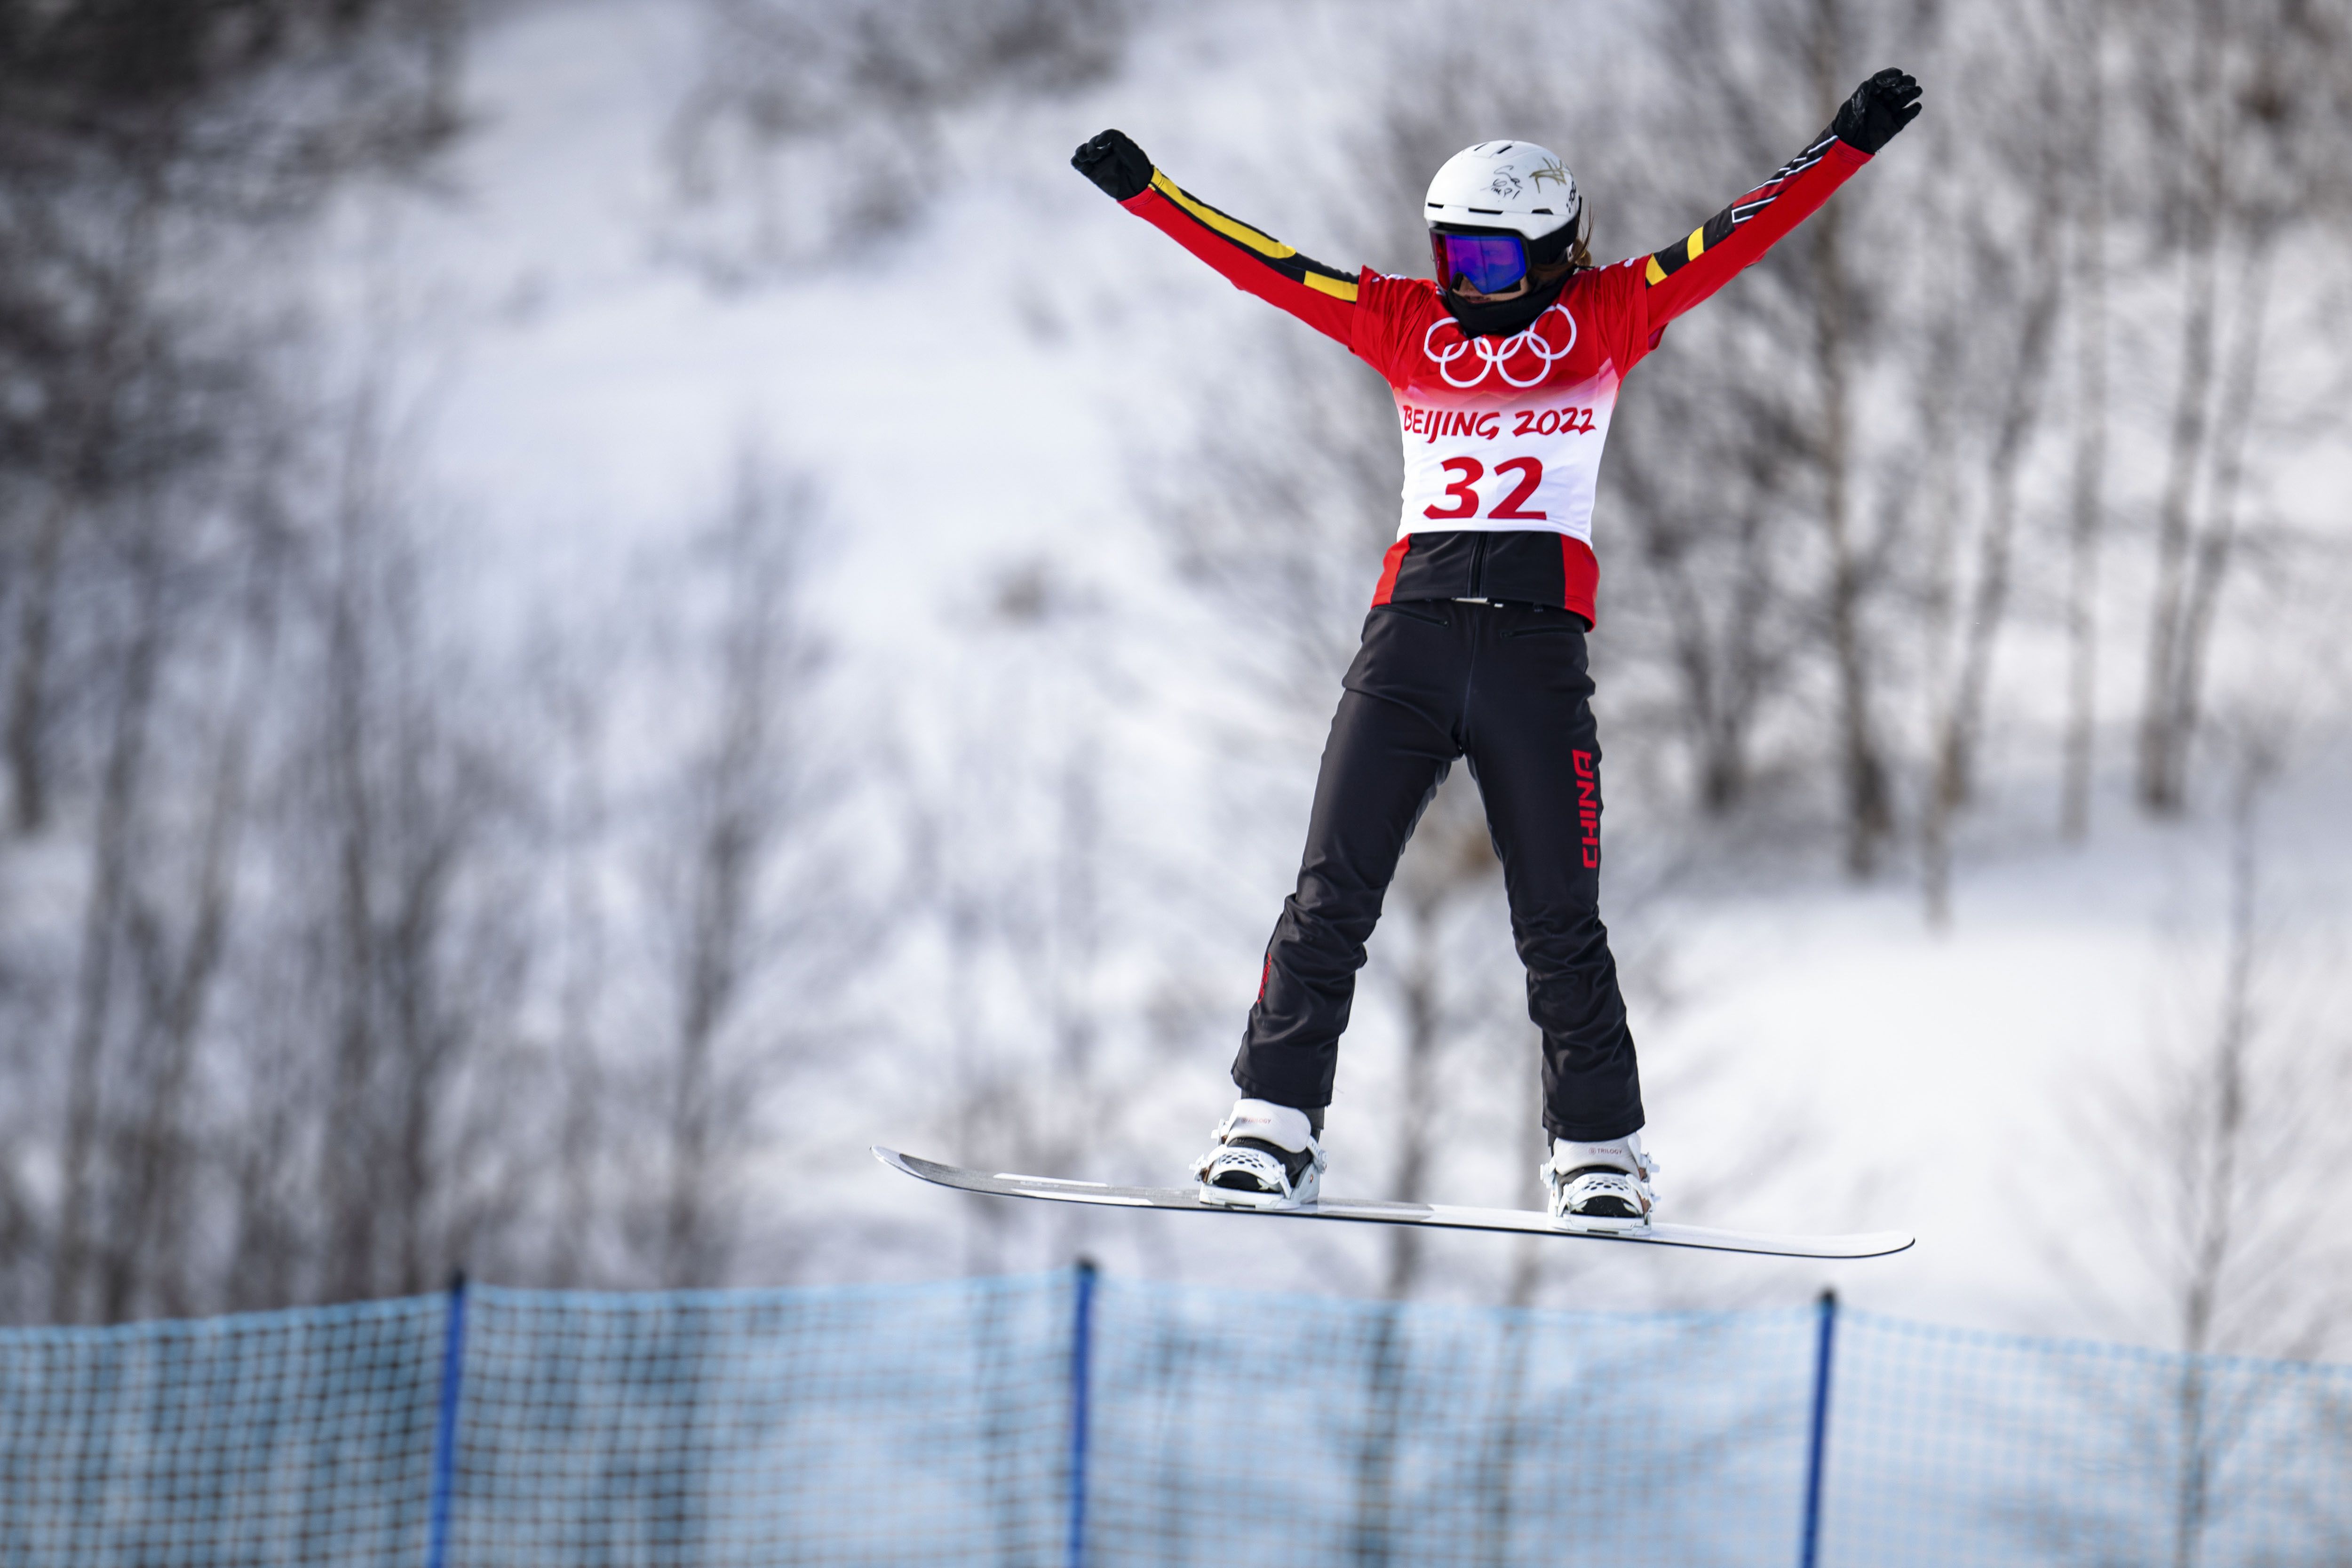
{"x": 1502, "y": 441}
{"x": 1502, "y": 434}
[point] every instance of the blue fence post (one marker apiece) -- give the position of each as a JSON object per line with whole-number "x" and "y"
{"x": 1817, "y": 1450}
{"x": 1082, "y": 1337}
{"x": 445, "y": 1437}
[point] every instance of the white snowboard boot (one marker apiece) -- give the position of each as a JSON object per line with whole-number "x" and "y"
{"x": 1599, "y": 1186}
{"x": 1265, "y": 1157}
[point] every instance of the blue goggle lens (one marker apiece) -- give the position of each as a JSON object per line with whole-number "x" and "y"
{"x": 1490, "y": 263}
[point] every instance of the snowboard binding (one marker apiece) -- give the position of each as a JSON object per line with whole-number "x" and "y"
{"x": 1601, "y": 1188}
{"x": 1265, "y": 1157}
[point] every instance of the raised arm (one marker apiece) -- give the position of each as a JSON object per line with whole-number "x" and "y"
{"x": 1323, "y": 297}
{"x": 1711, "y": 255}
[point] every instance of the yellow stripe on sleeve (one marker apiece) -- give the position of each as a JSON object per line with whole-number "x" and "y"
{"x": 1265, "y": 244}
{"x": 1696, "y": 244}
{"x": 1653, "y": 273}
{"x": 1337, "y": 288}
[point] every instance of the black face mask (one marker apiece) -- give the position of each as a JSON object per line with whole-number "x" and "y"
{"x": 1504, "y": 318}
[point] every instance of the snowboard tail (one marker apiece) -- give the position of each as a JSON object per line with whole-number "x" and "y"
{"x": 1441, "y": 1216}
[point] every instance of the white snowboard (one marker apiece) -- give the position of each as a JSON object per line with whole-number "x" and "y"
{"x": 1873, "y": 1243}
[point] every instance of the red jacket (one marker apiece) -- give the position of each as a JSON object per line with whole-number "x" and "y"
{"x": 1503, "y": 435}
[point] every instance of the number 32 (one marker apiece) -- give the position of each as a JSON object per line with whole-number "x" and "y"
{"x": 1468, "y": 471}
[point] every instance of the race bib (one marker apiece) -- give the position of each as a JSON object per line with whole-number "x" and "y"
{"x": 1506, "y": 434}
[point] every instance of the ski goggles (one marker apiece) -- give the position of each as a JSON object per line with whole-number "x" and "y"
{"x": 1490, "y": 263}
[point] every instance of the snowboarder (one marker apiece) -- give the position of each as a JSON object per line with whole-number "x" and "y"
{"x": 1505, "y": 369}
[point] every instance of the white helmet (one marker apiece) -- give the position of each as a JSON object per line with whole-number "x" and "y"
{"x": 1513, "y": 185}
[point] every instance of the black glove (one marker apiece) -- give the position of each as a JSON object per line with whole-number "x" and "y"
{"x": 1117, "y": 165}
{"x": 1878, "y": 108}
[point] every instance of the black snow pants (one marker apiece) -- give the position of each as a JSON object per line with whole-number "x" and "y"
{"x": 1506, "y": 687}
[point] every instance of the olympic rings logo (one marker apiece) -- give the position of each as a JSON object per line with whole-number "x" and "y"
{"x": 1494, "y": 356}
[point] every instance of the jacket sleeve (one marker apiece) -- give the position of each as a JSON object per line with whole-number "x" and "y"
{"x": 1711, "y": 255}
{"x": 1322, "y": 297}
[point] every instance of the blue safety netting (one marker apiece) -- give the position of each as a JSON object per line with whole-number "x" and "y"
{"x": 944, "y": 1425}
{"x": 1952, "y": 1447}
{"x": 882, "y": 1426}
{"x": 1288, "y": 1430}
{"x": 270, "y": 1437}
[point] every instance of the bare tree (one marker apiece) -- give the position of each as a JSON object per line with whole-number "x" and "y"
{"x": 422, "y": 959}
{"x": 2087, "y": 497}
{"x": 2200, "y": 134}
{"x": 128, "y": 133}
{"x": 95, "y": 986}
{"x": 320, "y": 768}
{"x": 1702, "y": 489}
{"x": 735, "y": 820}
{"x": 1019, "y": 867}
{"x": 2014, "y": 280}
{"x": 2227, "y": 1158}
{"x": 2218, "y": 539}
{"x": 2236, "y": 103}
{"x": 575, "y": 680}
{"x": 199, "y": 581}
{"x": 142, "y": 149}
{"x": 77, "y": 448}
{"x": 814, "y": 118}
{"x": 1869, "y": 811}
{"x": 179, "y": 936}
{"x": 1751, "y": 83}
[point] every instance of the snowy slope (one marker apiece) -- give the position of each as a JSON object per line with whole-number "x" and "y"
{"x": 972, "y": 397}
